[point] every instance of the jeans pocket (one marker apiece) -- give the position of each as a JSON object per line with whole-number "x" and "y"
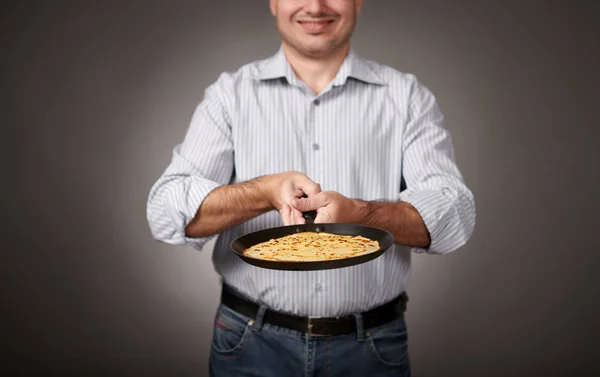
{"x": 231, "y": 332}
{"x": 389, "y": 344}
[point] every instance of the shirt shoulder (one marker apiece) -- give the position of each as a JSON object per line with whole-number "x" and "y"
{"x": 403, "y": 85}
{"x": 226, "y": 88}
{"x": 247, "y": 73}
{"x": 388, "y": 74}
{"x": 404, "y": 88}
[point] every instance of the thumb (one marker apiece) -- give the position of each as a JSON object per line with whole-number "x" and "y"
{"x": 311, "y": 203}
{"x": 303, "y": 204}
{"x": 323, "y": 217}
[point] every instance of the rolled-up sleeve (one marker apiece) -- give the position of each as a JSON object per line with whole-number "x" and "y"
{"x": 201, "y": 163}
{"x": 434, "y": 184}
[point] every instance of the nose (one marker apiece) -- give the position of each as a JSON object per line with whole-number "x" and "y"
{"x": 315, "y": 7}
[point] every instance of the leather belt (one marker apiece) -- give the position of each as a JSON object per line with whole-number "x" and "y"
{"x": 317, "y": 325}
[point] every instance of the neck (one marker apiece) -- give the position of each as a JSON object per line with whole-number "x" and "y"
{"x": 316, "y": 72}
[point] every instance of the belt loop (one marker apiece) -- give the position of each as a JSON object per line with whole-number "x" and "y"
{"x": 260, "y": 315}
{"x": 360, "y": 331}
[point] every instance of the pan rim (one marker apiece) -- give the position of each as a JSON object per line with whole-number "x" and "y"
{"x": 385, "y": 239}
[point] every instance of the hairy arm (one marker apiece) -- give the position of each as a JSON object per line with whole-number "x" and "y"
{"x": 231, "y": 205}
{"x": 399, "y": 218}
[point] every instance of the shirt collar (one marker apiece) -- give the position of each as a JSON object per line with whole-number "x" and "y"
{"x": 275, "y": 67}
{"x": 353, "y": 66}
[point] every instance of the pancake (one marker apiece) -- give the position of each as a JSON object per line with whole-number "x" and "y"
{"x": 312, "y": 247}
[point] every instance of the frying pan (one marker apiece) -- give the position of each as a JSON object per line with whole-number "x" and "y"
{"x": 385, "y": 239}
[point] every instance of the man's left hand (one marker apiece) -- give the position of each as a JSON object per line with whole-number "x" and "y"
{"x": 332, "y": 207}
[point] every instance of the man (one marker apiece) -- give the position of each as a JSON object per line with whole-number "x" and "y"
{"x": 366, "y": 144}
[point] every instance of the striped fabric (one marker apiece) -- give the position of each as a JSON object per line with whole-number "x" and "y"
{"x": 374, "y": 133}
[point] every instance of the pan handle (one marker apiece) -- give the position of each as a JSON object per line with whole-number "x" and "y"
{"x": 309, "y": 216}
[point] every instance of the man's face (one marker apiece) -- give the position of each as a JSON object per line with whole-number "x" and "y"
{"x": 316, "y": 28}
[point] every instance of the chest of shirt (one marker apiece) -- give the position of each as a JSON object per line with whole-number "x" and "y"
{"x": 349, "y": 139}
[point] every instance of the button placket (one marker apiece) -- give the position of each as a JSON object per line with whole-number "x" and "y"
{"x": 315, "y": 145}
{"x": 309, "y": 146}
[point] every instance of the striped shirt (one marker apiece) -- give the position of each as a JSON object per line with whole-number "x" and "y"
{"x": 373, "y": 133}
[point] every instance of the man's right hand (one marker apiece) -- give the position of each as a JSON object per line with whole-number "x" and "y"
{"x": 231, "y": 205}
{"x": 285, "y": 188}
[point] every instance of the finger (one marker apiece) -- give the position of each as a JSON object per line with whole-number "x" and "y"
{"x": 307, "y": 185}
{"x": 285, "y": 215}
{"x": 297, "y": 217}
{"x": 323, "y": 217}
{"x": 311, "y": 203}
{"x": 291, "y": 192}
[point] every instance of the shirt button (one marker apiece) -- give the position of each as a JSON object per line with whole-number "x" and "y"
{"x": 318, "y": 288}
{"x": 315, "y": 146}
{"x": 317, "y": 102}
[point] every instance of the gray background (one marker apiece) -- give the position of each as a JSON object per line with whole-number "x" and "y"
{"x": 100, "y": 91}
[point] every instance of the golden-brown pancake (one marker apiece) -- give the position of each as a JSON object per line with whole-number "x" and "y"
{"x": 312, "y": 246}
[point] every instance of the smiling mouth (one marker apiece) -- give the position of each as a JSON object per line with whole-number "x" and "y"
{"x": 316, "y": 26}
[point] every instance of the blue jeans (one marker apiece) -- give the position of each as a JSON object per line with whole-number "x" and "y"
{"x": 243, "y": 346}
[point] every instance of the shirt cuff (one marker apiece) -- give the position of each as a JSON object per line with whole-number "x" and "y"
{"x": 432, "y": 205}
{"x": 182, "y": 206}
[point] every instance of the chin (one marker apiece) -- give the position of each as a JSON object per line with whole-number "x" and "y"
{"x": 322, "y": 49}
{"x": 315, "y": 47}
{"x": 319, "y": 53}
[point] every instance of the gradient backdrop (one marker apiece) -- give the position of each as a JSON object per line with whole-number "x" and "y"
{"x": 99, "y": 92}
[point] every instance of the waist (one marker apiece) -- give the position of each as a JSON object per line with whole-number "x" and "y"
{"x": 315, "y": 326}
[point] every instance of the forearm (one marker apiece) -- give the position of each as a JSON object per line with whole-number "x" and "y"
{"x": 399, "y": 218}
{"x": 231, "y": 205}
